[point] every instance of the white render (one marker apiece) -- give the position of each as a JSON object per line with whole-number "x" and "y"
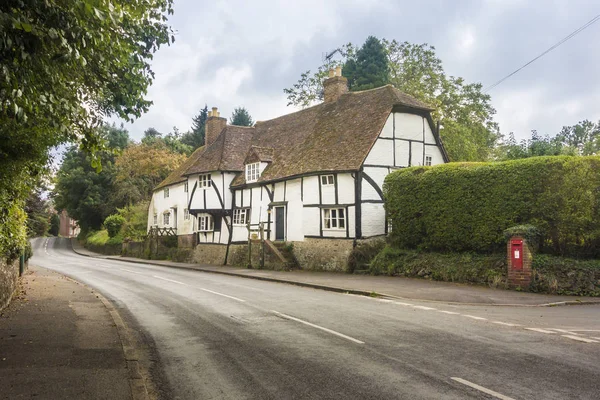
{"x": 300, "y": 202}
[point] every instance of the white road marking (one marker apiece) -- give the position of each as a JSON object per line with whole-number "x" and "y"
{"x": 540, "y": 330}
{"x": 581, "y": 339}
{"x": 504, "y": 323}
{"x": 597, "y": 338}
{"x": 448, "y": 312}
{"x": 224, "y": 295}
{"x": 169, "y": 280}
{"x": 585, "y": 330}
{"x": 564, "y": 331}
{"x": 319, "y": 327}
{"x": 133, "y": 272}
{"x": 482, "y": 389}
{"x": 423, "y": 308}
{"x": 402, "y": 304}
{"x": 474, "y": 317}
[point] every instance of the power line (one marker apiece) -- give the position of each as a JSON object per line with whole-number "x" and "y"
{"x": 575, "y": 32}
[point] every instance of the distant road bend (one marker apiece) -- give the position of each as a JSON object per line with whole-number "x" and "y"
{"x": 224, "y": 337}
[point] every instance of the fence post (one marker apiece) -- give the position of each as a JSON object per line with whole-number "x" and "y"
{"x": 262, "y": 245}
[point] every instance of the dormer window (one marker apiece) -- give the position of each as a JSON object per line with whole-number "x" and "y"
{"x": 204, "y": 181}
{"x": 252, "y": 172}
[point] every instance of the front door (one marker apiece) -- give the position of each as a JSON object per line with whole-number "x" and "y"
{"x": 279, "y": 223}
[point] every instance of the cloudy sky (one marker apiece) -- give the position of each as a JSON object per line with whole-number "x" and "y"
{"x": 243, "y": 53}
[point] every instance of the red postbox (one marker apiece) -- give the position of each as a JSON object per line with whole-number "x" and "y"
{"x": 516, "y": 253}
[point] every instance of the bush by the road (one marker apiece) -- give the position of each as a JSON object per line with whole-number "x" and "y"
{"x": 461, "y": 207}
{"x": 113, "y": 224}
{"x": 551, "y": 274}
{"x": 449, "y": 267}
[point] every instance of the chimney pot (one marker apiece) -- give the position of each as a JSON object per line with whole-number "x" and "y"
{"x": 335, "y": 86}
{"x": 214, "y": 125}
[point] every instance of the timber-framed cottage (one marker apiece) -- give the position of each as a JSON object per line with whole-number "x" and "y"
{"x": 312, "y": 177}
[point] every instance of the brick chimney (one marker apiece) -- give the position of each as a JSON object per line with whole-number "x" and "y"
{"x": 214, "y": 126}
{"x": 335, "y": 86}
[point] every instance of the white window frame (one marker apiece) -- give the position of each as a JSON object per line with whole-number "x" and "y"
{"x": 428, "y": 161}
{"x": 204, "y": 181}
{"x": 327, "y": 180}
{"x": 155, "y": 219}
{"x": 186, "y": 213}
{"x": 185, "y": 187}
{"x": 252, "y": 172}
{"x": 332, "y": 219}
{"x": 167, "y": 218}
{"x": 240, "y": 216}
{"x": 205, "y": 223}
{"x": 166, "y": 193}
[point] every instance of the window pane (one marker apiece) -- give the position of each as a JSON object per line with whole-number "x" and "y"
{"x": 330, "y": 179}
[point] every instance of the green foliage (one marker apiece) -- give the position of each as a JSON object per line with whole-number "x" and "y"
{"x": 28, "y": 251}
{"x": 241, "y": 117}
{"x": 113, "y": 224}
{"x": 466, "y": 114}
{"x": 136, "y": 221}
{"x": 566, "y": 276}
{"x": 97, "y": 238}
{"x": 83, "y": 191}
{"x": 172, "y": 141}
{"x": 452, "y": 267}
{"x": 140, "y": 168}
{"x": 363, "y": 253}
{"x": 38, "y": 215}
{"x": 195, "y": 138}
{"x": 528, "y": 232}
{"x": 369, "y": 68}
{"x": 13, "y": 235}
{"x": 54, "y": 224}
{"x": 64, "y": 67}
{"x": 467, "y": 206}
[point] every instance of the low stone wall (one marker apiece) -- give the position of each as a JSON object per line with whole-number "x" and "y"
{"x": 136, "y": 249}
{"x": 9, "y": 274}
{"x": 109, "y": 250}
{"x": 186, "y": 241}
{"x": 323, "y": 254}
{"x": 209, "y": 253}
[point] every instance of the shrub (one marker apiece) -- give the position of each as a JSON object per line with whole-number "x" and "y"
{"x": 568, "y": 276}
{"x": 468, "y": 206}
{"x": 113, "y": 224}
{"x": 452, "y": 267}
{"x": 97, "y": 238}
{"x": 136, "y": 221}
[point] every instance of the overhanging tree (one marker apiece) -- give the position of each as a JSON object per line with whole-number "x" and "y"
{"x": 64, "y": 67}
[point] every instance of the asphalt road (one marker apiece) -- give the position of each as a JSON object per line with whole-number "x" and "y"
{"x": 222, "y": 337}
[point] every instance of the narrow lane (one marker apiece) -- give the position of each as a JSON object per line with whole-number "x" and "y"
{"x": 226, "y": 337}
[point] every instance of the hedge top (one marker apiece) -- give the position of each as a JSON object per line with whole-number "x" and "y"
{"x": 468, "y": 206}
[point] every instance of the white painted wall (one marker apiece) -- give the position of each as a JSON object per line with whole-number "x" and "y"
{"x": 373, "y": 219}
{"x": 177, "y": 200}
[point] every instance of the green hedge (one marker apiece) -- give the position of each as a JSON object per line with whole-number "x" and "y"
{"x": 467, "y": 206}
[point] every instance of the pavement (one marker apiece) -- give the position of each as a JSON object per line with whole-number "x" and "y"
{"x": 59, "y": 340}
{"x": 377, "y": 286}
